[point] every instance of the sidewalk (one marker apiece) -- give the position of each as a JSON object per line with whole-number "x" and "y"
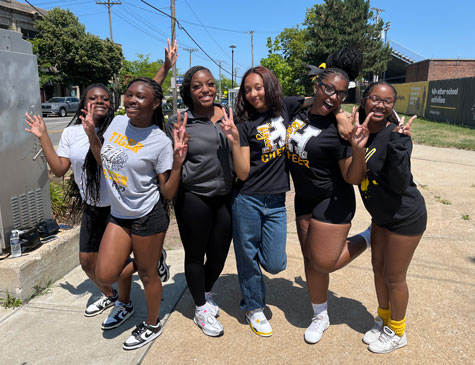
{"x": 51, "y": 329}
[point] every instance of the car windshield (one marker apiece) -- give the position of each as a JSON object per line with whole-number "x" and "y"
{"x": 56, "y": 100}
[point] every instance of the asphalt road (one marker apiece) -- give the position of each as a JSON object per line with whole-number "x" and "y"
{"x": 56, "y": 126}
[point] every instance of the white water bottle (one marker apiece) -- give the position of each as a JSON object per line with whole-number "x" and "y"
{"x": 15, "y": 243}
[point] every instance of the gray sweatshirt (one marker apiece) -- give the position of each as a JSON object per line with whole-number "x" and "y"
{"x": 207, "y": 169}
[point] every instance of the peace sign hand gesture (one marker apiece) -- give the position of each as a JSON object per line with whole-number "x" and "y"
{"x": 180, "y": 139}
{"x": 229, "y": 128}
{"x": 360, "y": 133}
{"x": 87, "y": 120}
{"x": 405, "y": 128}
{"x": 171, "y": 55}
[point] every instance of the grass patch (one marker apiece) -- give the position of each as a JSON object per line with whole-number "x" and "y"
{"x": 422, "y": 186}
{"x": 9, "y": 301}
{"x": 438, "y": 134}
{"x": 443, "y": 201}
{"x": 59, "y": 203}
{"x": 465, "y": 217}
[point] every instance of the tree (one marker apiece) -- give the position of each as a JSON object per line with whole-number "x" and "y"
{"x": 327, "y": 28}
{"x": 142, "y": 67}
{"x": 285, "y": 59}
{"x": 338, "y": 23}
{"x": 74, "y": 56}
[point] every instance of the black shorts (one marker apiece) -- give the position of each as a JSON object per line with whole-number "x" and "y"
{"x": 414, "y": 228}
{"x": 93, "y": 224}
{"x": 154, "y": 222}
{"x": 336, "y": 209}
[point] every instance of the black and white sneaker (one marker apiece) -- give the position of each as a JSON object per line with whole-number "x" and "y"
{"x": 119, "y": 314}
{"x": 163, "y": 270}
{"x": 100, "y": 305}
{"x": 141, "y": 335}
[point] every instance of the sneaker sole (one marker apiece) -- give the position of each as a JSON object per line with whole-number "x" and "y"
{"x": 387, "y": 351}
{"x": 139, "y": 345}
{"x": 313, "y": 343}
{"x": 262, "y": 334}
{"x": 208, "y": 333}
{"x": 105, "y": 328}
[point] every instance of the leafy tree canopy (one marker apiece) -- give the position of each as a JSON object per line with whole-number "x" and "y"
{"x": 327, "y": 28}
{"x": 68, "y": 54}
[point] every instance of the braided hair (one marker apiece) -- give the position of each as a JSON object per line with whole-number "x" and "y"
{"x": 185, "y": 92}
{"x": 157, "y": 117}
{"x": 361, "y": 111}
{"x": 91, "y": 171}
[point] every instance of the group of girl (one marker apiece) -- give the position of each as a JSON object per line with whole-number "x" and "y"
{"x": 215, "y": 169}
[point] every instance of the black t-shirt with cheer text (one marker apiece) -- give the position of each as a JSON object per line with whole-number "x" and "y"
{"x": 314, "y": 149}
{"x": 266, "y": 137}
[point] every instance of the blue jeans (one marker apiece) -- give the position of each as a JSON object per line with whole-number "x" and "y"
{"x": 259, "y": 236}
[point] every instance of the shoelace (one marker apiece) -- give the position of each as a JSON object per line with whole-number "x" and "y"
{"x": 117, "y": 309}
{"x": 317, "y": 322}
{"x": 139, "y": 329}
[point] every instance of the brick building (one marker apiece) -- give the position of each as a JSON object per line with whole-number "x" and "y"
{"x": 19, "y": 17}
{"x": 440, "y": 69}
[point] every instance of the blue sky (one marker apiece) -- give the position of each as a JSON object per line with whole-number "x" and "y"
{"x": 431, "y": 28}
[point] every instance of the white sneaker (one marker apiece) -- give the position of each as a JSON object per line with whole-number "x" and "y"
{"x": 259, "y": 323}
{"x": 213, "y": 307}
{"x": 208, "y": 323}
{"x": 314, "y": 332}
{"x": 387, "y": 342}
{"x": 373, "y": 334}
{"x": 101, "y": 304}
{"x": 119, "y": 314}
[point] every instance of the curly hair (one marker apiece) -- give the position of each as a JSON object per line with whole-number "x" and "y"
{"x": 157, "y": 117}
{"x": 91, "y": 171}
{"x": 185, "y": 91}
{"x": 347, "y": 59}
{"x": 273, "y": 94}
{"x": 361, "y": 110}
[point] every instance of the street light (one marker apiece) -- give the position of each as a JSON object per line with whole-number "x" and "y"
{"x": 232, "y": 46}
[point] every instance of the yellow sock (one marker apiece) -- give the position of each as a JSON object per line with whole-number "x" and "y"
{"x": 397, "y": 326}
{"x": 385, "y": 314}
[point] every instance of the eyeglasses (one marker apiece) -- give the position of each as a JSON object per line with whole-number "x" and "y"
{"x": 330, "y": 90}
{"x": 376, "y": 100}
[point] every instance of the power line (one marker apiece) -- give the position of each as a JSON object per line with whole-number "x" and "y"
{"x": 109, "y": 4}
{"x": 188, "y": 34}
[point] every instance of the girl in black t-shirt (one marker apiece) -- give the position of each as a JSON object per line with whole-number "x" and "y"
{"x": 323, "y": 167}
{"x": 258, "y": 142}
{"x": 398, "y": 214}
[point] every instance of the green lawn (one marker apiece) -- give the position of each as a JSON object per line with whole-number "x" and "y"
{"x": 438, "y": 134}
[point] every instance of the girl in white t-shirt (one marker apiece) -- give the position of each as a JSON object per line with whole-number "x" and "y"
{"x": 140, "y": 166}
{"x": 88, "y": 191}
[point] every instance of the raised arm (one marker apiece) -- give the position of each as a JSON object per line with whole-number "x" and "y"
{"x": 241, "y": 155}
{"x": 171, "y": 55}
{"x": 344, "y": 123}
{"x": 59, "y": 165}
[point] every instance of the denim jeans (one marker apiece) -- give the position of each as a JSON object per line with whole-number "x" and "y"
{"x": 259, "y": 236}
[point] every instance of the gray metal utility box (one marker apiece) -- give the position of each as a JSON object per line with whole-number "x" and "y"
{"x": 24, "y": 184}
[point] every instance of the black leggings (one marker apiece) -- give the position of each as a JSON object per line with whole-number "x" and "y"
{"x": 205, "y": 228}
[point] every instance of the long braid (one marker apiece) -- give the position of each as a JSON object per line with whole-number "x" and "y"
{"x": 91, "y": 172}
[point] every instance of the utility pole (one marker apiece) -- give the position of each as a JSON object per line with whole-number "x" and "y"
{"x": 252, "y": 47}
{"x": 173, "y": 81}
{"x": 219, "y": 81}
{"x": 235, "y": 74}
{"x": 109, "y": 4}
{"x": 191, "y": 50}
{"x": 377, "y": 10}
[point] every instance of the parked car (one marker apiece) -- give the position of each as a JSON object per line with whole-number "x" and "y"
{"x": 60, "y": 106}
{"x": 167, "y": 109}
